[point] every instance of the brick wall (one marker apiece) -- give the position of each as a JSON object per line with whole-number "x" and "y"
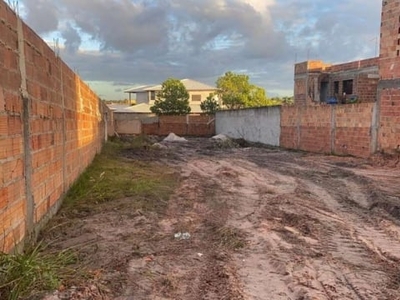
{"x": 339, "y": 129}
{"x": 290, "y": 125}
{"x": 315, "y": 128}
{"x": 12, "y": 183}
{"x": 51, "y": 126}
{"x": 353, "y": 129}
{"x": 306, "y": 128}
{"x": 190, "y": 125}
{"x": 389, "y": 129}
{"x": 389, "y": 71}
{"x": 367, "y": 87}
{"x": 354, "y": 65}
{"x": 389, "y": 46}
{"x": 310, "y": 76}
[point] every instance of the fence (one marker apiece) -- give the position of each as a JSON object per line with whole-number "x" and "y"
{"x": 51, "y": 127}
{"x": 340, "y": 129}
{"x": 189, "y": 125}
{"x": 255, "y": 125}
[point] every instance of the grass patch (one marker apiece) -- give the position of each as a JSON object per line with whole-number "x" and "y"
{"x": 231, "y": 238}
{"x": 111, "y": 176}
{"x": 33, "y": 272}
{"x": 145, "y": 186}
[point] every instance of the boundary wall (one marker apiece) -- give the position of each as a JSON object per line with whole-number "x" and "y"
{"x": 349, "y": 129}
{"x": 51, "y": 127}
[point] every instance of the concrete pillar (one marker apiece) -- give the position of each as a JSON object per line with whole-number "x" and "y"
{"x": 30, "y": 204}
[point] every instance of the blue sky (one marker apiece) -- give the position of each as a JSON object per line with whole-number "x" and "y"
{"x": 117, "y": 44}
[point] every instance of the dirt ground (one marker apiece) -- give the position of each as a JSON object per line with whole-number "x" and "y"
{"x": 262, "y": 223}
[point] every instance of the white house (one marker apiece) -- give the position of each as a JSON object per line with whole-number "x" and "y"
{"x": 146, "y": 95}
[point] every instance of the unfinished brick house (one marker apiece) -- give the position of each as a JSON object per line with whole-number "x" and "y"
{"x": 318, "y": 82}
{"x": 370, "y": 88}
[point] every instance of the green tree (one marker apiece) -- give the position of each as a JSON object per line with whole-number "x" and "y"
{"x": 210, "y": 105}
{"x": 173, "y": 99}
{"x": 236, "y": 91}
{"x": 233, "y": 90}
{"x": 258, "y": 97}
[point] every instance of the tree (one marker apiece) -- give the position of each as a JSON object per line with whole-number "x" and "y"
{"x": 258, "y": 98}
{"x": 233, "y": 90}
{"x": 210, "y": 105}
{"x": 236, "y": 91}
{"x": 173, "y": 99}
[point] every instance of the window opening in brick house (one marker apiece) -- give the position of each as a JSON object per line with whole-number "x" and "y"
{"x": 398, "y": 41}
{"x": 336, "y": 88}
{"x": 398, "y": 52}
{"x": 152, "y": 95}
{"x": 196, "y": 98}
{"x": 348, "y": 86}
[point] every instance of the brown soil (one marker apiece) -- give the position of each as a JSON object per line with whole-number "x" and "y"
{"x": 264, "y": 223}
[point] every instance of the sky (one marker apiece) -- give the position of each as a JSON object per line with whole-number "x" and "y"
{"x": 117, "y": 44}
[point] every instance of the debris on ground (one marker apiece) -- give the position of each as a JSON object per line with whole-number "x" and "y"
{"x": 159, "y": 146}
{"x": 182, "y": 236}
{"x": 220, "y": 137}
{"x": 172, "y": 137}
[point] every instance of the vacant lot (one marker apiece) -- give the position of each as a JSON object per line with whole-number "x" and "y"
{"x": 255, "y": 223}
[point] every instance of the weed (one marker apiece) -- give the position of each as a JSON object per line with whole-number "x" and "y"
{"x": 168, "y": 284}
{"x": 111, "y": 177}
{"x": 33, "y": 271}
{"x": 231, "y": 238}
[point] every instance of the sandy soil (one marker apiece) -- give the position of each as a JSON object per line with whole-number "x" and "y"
{"x": 264, "y": 223}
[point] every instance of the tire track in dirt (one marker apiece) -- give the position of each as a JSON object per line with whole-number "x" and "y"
{"x": 263, "y": 223}
{"x": 341, "y": 266}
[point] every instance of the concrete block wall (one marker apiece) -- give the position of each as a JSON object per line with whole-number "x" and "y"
{"x": 127, "y": 123}
{"x": 339, "y": 129}
{"x": 255, "y": 125}
{"x": 51, "y": 127}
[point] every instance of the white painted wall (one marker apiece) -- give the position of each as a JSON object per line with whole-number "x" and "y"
{"x": 127, "y": 123}
{"x": 254, "y": 125}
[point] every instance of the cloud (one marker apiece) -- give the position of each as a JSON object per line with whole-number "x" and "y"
{"x": 146, "y": 41}
{"x": 72, "y": 38}
{"x": 121, "y": 25}
{"x": 42, "y": 15}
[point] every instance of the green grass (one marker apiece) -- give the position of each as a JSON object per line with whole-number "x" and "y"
{"x": 33, "y": 271}
{"x": 111, "y": 177}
